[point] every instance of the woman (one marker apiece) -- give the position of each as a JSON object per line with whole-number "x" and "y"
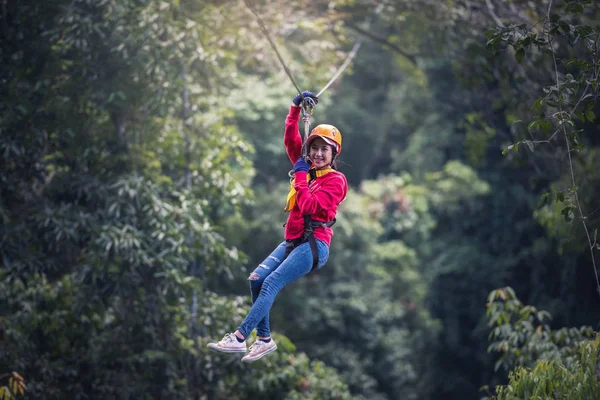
{"x": 315, "y": 194}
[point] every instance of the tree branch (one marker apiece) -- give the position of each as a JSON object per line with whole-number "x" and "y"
{"x": 490, "y": 7}
{"x": 385, "y": 42}
{"x": 571, "y": 169}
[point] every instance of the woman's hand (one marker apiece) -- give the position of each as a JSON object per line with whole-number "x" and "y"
{"x": 298, "y": 99}
{"x": 301, "y": 165}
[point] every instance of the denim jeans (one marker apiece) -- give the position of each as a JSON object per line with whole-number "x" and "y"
{"x": 272, "y": 275}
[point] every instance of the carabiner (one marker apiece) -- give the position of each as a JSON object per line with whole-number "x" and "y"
{"x": 308, "y": 103}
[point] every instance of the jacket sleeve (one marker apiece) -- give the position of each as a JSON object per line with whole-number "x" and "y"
{"x": 327, "y": 197}
{"x": 291, "y": 137}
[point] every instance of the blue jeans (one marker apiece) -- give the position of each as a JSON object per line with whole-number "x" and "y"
{"x": 272, "y": 275}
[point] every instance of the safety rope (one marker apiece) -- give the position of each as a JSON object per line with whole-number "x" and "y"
{"x": 343, "y": 66}
{"x": 266, "y": 32}
{"x": 307, "y": 103}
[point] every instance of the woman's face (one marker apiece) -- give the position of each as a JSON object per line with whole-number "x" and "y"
{"x": 320, "y": 153}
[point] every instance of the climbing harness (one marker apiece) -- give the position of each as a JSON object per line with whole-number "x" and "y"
{"x": 309, "y": 224}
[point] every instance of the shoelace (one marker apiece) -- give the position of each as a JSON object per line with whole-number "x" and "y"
{"x": 256, "y": 344}
{"x": 229, "y": 337}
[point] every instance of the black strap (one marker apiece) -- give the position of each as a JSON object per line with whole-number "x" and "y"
{"x": 308, "y": 236}
{"x": 315, "y": 251}
{"x": 291, "y": 245}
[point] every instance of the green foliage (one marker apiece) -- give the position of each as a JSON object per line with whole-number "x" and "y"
{"x": 566, "y": 41}
{"x": 521, "y": 333}
{"x": 551, "y": 379}
{"x": 15, "y": 386}
{"x": 544, "y": 363}
{"x": 141, "y": 165}
{"x": 477, "y": 137}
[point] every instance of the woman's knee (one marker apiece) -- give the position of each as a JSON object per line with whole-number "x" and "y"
{"x": 261, "y": 272}
{"x": 271, "y": 284}
{"x": 256, "y": 281}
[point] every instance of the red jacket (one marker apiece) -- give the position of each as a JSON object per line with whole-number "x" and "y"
{"x": 320, "y": 198}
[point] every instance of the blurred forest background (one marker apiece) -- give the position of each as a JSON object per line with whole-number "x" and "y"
{"x": 143, "y": 176}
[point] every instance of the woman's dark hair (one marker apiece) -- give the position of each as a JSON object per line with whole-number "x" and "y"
{"x": 333, "y": 156}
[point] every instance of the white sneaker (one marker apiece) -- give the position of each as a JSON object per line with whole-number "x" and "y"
{"x": 259, "y": 349}
{"x": 229, "y": 344}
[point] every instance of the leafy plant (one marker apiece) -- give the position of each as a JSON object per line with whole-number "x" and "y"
{"x": 16, "y": 386}
{"x": 543, "y": 363}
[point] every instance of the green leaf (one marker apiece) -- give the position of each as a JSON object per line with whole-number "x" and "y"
{"x": 537, "y": 105}
{"x": 533, "y": 124}
{"x": 545, "y": 198}
{"x": 590, "y": 116}
{"x": 546, "y": 126}
{"x": 581, "y": 116}
{"x": 566, "y": 212}
{"x": 520, "y": 54}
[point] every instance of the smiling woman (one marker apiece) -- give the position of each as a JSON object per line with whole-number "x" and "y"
{"x": 316, "y": 191}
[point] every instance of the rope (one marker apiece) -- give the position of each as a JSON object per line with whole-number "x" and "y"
{"x": 266, "y": 32}
{"x": 306, "y": 119}
{"x": 339, "y": 71}
{"x": 343, "y": 66}
{"x": 307, "y": 103}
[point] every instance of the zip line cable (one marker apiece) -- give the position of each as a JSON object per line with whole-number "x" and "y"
{"x": 340, "y": 70}
{"x": 307, "y": 103}
{"x": 266, "y": 32}
{"x": 343, "y": 66}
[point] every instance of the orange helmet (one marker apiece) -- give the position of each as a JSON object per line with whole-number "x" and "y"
{"x": 329, "y": 133}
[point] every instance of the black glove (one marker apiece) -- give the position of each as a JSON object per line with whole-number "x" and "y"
{"x": 298, "y": 99}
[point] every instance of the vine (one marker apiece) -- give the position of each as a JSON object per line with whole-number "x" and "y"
{"x": 570, "y": 95}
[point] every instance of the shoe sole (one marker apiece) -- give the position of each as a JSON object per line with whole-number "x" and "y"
{"x": 250, "y": 359}
{"x": 223, "y": 350}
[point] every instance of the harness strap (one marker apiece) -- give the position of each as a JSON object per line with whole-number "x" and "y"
{"x": 308, "y": 236}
